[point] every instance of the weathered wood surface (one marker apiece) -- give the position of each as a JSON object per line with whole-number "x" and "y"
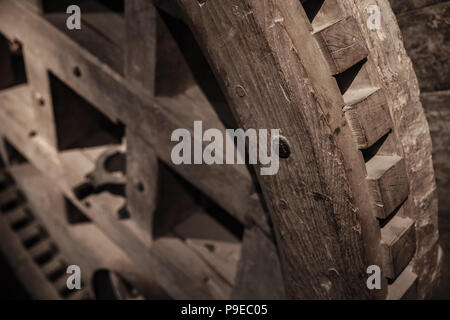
{"x": 84, "y": 244}
{"x": 154, "y": 119}
{"x": 258, "y": 263}
{"x": 368, "y": 117}
{"x": 270, "y": 29}
{"x": 140, "y": 55}
{"x": 140, "y": 68}
{"x": 343, "y": 44}
{"x": 395, "y": 71}
{"x": 41, "y": 97}
{"x": 383, "y": 70}
{"x": 251, "y": 42}
{"x": 425, "y": 28}
{"x": 405, "y": 287}
{"x": 388, "y": 184}
{"x": 178, "y": 269}
{"x": 398, "y": 244}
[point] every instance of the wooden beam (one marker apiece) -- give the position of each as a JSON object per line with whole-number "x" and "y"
{"x": 368, "y": 117}
{"x": 398, "y": 242}
{"x": 388, "y": 184}
{"x": 140, "y": 52}
{"x": 342, "y": 44}
{"x": 140, "y": 65}
{"x": 250, "y": 42}
{"x": 41, "y": 97}
{"x": 259, "y": 273}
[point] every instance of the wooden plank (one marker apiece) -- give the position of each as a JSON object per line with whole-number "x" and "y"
{"x": 35, "y": 5}
{"x": 342, "y": 44}
{"x": 388, "y": 183}
{"x": 41, "y": 97}
{"x": 140, "y": 52}
{"x": 398, "y": 243}
{"x": 259, "y": 274}
{"x": 251, "y": 42}
{"x": 208, "y": 283}
{"x": 405, "y": 287}
{"x": 216, "y": 245}
{"x": 392, "y": 66}
{"x": 368, "y": 117}
{"x": 142, "y": 184}
{"x": 220, "y": 255}
{"x": 109, "y": 24}
{"x": 140, "y": 64}
{"x": 90, "y": 39}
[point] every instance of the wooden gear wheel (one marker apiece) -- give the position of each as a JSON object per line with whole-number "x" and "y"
{"x": 86, "y": 119}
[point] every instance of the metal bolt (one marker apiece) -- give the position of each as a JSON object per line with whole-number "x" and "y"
{"x": 41, "y": 101}
{"x": 140, "y": 187}
{"x": 77, "y": 72}
{"x": 283, "y": 204}
{"x": 283, "y": 148}
{"x": 240, "y": 91}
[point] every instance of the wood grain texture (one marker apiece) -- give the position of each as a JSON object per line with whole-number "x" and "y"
{"x": 154, "y": 119}
{"x": 41, "y": 98}
{"x": 390, "y": 63}
{"x": 398, "y": 244}
{"x": 259, "y": 271}
{"x": 342, "y": 44}
{"x": 251, "y": 42}
{"x": 142, "y": 184}
{"x": 388, "y": 183}
{"x": 368, "y": 118}
{"x": 405, "y": 287}
{"x": 140, "y": 52}
{"x": 179, "y": 269}
{"x": 84, "y": 244}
